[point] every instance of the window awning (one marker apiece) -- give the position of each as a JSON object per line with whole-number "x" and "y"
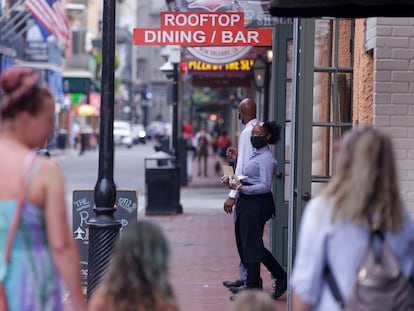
{"x": 342, "y": 8}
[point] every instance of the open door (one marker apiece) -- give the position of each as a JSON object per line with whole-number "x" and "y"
{"x": 312, "y": 97}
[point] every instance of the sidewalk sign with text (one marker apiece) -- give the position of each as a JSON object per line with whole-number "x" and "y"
{"x": 126, "y": 204}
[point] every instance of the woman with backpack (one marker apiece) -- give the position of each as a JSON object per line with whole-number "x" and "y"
{"x": 361, "y": 207}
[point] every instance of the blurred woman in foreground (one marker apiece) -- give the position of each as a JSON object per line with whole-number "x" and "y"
{"x": 43, "y": 248}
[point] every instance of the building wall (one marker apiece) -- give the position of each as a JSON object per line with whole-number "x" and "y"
{"x": 391, "y": 42}
{"x": 148, "y": 62}
{"x": 363, "y": 77}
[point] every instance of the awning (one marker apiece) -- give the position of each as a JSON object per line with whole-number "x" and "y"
{"x": 342, "y": 8}
{"x": 85, "y": 110}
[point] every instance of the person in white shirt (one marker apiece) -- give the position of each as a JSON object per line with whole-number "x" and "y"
{"x": 247, "y": 114}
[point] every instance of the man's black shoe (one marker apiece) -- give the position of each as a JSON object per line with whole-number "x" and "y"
{"x": 236, "y": 283}
{"x": 244, "y": 286}
{"x": 236, "y": 290}
{"x": 280, "y": 289}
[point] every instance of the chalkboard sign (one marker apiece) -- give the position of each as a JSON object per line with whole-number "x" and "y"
{"x": 126, "y": 205}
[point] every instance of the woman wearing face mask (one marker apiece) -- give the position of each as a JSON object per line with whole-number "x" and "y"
{"x": 255, "y": 207}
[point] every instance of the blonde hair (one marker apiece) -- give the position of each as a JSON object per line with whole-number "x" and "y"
{"x": 253, "y": 300}
{"x": 365, "y": 186}
{"x": 137, "y": 274}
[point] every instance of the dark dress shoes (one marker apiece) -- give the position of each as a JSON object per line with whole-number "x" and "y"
{"x": 236, "y": 283}
{"x": 280, "y": 289}
{"x": 236, "y": 290}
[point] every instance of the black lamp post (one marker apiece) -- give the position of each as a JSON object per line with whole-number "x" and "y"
{"x": 261, "y": 79}
{"x": 104, "y": 229}
{"x": 170, "y": 69}
{"x": 171, "y": 72}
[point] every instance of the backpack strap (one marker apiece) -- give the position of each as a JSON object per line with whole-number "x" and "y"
{"x": 334, "y": 286}
{"x": 376, "y": 238}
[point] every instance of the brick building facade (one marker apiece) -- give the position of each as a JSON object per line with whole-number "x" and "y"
{"x": 384, "y": 87}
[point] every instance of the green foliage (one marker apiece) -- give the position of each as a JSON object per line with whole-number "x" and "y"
{"x": 98, "y": 60}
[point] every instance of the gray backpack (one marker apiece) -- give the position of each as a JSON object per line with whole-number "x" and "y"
{"x": 380, "y": 284}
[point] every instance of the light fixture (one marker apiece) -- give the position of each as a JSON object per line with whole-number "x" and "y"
{"x": 259, "y": 70}
{"x": 167, "y": 69}
{"x": 269, "y": 56}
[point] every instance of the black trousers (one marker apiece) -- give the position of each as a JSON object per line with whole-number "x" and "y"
{"x": 253, "y": 211}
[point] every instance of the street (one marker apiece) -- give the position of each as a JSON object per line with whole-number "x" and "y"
{"x": 81, "y": 172}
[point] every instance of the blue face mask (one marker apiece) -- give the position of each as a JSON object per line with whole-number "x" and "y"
{"x": 258, "y": 141}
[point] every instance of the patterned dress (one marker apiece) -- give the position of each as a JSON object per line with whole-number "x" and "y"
{"x": 31, "y": 279}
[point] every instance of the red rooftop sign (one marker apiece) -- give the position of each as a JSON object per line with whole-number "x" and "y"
{"x": 203, "y": 29}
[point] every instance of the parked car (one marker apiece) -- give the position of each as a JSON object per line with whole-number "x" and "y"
{"x": 139, "y": 135}
{"x": 158, "y": 129}
{"x": 123, "y": 133}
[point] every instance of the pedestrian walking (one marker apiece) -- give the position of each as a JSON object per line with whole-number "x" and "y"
{"x": 75, "y": 135}
{"x": 188, "y": 135}
{"x": 37, "y": 246}
{"x": 336, "y": 225}
{"x": 202, "y": 139}
{"x": 223, "y": 142}
{"x": 255, "y": 206}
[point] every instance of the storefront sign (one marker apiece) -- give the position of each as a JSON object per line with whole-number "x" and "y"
{"x": 256, "y": 14}
{"x": 203, "y": 29}
{"x": 199, "y": 67}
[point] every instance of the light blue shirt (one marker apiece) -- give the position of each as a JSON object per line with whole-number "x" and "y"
{"x": 342, "y": 244}
{"x": 259, "y": 170}
{"x": 244, "y": 150}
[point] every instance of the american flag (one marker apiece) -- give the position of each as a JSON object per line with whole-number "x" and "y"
{"x": 50, "y": 14}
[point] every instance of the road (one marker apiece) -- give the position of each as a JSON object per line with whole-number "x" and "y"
{"x": 81, "y": 172}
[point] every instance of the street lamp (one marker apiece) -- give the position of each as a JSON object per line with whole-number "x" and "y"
{"x": 104, "y": 229}
{"x": 170, "y": 69}
{"x": 261, "y": 79}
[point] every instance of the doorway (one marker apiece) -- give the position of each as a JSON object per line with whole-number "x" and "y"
{"x": 312, "y": 100}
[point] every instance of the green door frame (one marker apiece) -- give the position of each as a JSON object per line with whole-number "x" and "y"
{"x": 282, "y": 35}
{"x": 289, "y": 209}
{"x": 301, "y": 153}
{"x": 301, "y": 158}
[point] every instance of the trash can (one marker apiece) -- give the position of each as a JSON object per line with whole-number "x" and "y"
{"x": 61, "y": 138}
{"x": 162, "y": 183}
